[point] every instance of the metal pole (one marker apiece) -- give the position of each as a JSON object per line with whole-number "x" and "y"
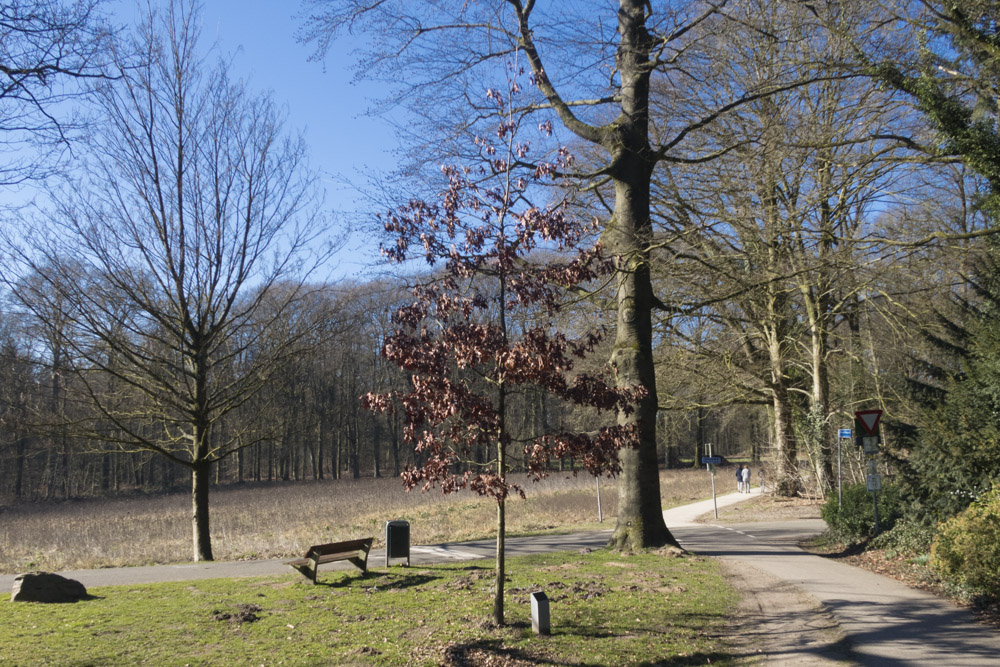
{"x": 840, "y": 477}
{"x": 711, "y": 467}
{"x": 600, "y": 514}
{"x": 875, "y": 500}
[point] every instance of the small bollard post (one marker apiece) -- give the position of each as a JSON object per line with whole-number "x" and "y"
{"x": 540, "y": 614}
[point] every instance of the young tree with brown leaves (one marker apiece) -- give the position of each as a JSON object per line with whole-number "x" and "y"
{"x": 458, "y": 340}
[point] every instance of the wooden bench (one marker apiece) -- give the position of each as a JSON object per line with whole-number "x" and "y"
{"x": 354, "y": 551}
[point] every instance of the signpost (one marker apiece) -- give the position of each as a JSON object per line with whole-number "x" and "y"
{"x": 844, "y": 434}
{"x": 874, "y": 482}
{"x": 869, "y": 420}
{"x": 710, "y": 463}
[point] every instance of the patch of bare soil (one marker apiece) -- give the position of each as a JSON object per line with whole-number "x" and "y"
{"x": 492, "y": 651}
{"x": 778, "y": 625}
{"x": 245, "y": 613}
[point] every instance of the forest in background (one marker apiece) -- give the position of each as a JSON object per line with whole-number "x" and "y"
{"x": 314, "y": 424}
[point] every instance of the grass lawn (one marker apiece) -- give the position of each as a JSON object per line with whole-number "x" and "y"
{"x": 607, "y": 608}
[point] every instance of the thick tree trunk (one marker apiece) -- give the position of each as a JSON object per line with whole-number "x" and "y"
{"x": 200, "y": 479}
{"x": 787, "y": 482}
{"x": 821, "y": 410}
{"x": 640, "y": 517}
{"x": 626, "y": 139}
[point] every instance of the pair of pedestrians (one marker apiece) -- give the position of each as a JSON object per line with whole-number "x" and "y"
{"x": 743, "y": 479}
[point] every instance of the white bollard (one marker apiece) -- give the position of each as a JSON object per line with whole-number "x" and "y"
{"x": 540, "y": 614}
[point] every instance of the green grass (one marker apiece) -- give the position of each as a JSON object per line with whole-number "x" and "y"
{"x": 607, "y": 608}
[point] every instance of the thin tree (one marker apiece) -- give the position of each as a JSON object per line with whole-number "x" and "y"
{"x": 465, "y": 339}
{"x": 179, "y": 257}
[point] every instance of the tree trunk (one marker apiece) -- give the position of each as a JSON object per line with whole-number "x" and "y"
{"x": 821, "y": 411}
{"x": 376, "y": 448}
{"x": 321, "y": 434}
{"x": 699, "y": 445}
{"x": 501, "y": 564}
{"x": 19, "y": 464}
{"x": 787, "y": 482}
{"x": 394, "y": 444}
{"x": 354, "y": 458}
{"x": 640, "y": 518}
{"x": 200, "y": 479}
{"x": 628, "y": 233}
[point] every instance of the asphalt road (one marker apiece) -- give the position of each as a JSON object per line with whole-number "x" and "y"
{"x": 885, "y": 622}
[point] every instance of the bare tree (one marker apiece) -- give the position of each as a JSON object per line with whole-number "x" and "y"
{"x": 775, "y": 238}
{"x": 46, "y": 48}
{"x": 180, "y": 255}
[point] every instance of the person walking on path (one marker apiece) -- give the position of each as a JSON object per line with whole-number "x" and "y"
{"x": 739, "y": 479}
{"x": 746, "y": 479}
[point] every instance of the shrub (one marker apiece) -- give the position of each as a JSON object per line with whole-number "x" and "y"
{"x": 967, "y": 548}
{"x": 907, "y": 537}
{"x": 854, "y": 521}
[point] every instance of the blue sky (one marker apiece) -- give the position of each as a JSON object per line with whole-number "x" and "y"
{"x": 320, "y": 99}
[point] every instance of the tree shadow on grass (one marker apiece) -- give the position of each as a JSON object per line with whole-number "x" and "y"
{"x": 380, "y": 580}
{"x": 699, "y": 658}
{"x": 493, "y": 651}
{"x": 83, "y": 598}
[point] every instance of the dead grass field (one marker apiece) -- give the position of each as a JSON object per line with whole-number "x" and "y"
{"x": 280, "y": 520}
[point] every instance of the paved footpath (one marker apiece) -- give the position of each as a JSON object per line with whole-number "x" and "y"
{"x": 884, "y": 622}
{"x": 438, "y": 553}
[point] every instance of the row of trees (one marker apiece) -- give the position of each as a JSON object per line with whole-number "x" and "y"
{"x": 311, "y": 423}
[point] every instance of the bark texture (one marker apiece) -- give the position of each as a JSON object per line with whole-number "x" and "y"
{"x": 640, "y": 517}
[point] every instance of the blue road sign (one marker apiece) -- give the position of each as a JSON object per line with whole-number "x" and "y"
{"x": 711, "y": 459}
{"x": 845, "y": 433}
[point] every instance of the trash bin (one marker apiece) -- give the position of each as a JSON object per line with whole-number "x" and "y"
{"x": 397, "y": 540}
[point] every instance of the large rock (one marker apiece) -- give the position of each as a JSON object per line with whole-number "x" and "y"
{"x": 46, "y": 587}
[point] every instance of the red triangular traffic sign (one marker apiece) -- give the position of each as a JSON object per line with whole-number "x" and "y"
{"x": 869, "y": 420}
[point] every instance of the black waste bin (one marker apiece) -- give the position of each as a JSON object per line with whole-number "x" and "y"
{"x": 397, "y": 540}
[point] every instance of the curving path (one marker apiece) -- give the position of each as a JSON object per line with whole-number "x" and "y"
{"x": 880, "y": 620}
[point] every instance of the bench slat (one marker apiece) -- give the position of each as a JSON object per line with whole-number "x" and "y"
{"x": 340, "y": 547}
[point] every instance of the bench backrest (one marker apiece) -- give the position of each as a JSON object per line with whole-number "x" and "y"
{"x": 339, "y": 547}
